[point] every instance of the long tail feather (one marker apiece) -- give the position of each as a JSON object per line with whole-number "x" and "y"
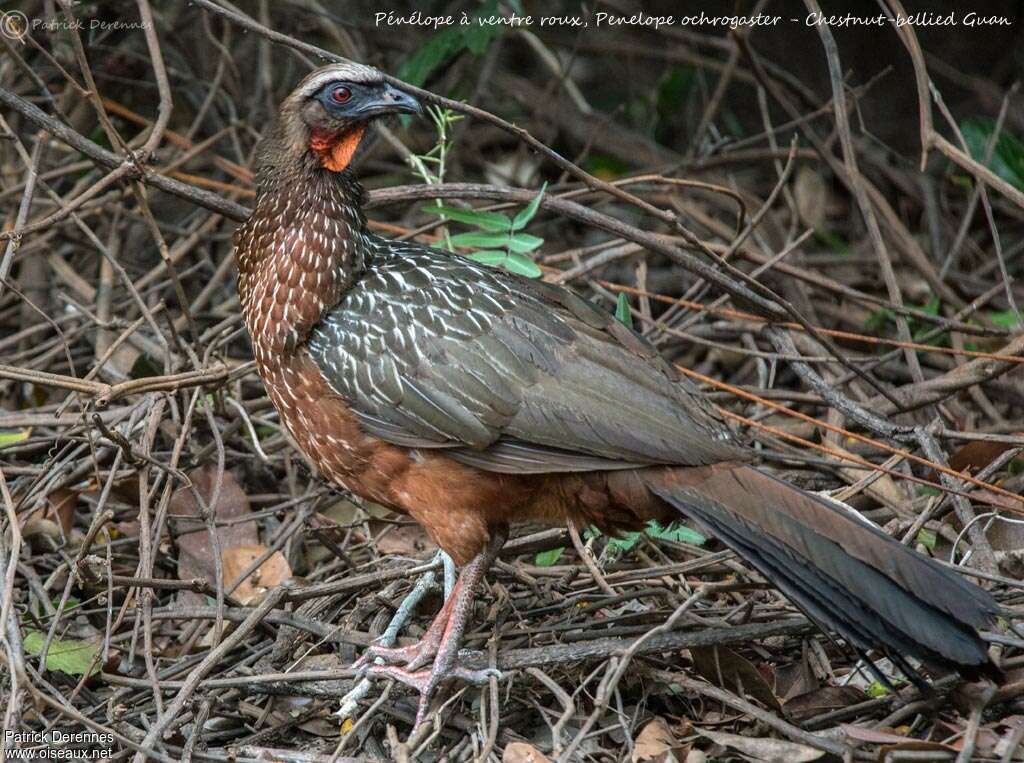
{"x": 843, "y": 572}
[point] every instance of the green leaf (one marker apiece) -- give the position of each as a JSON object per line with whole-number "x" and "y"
{"x": 447, "y": 43}
{"x": 70, "y": 604}
{"x": 1007, "y": 319}
{"x": 622, "y": 310}
{"x": 833, "y": 241}
{"x": 431, "y": 55}
{"x": 625, "y": 543}
{"x": 526, "y": 214}
{"x": 926, "y": 538}
{"x": 673, "y": 90}
{"x": 66, "y": 655}
{"x": 606, "y": 167}
{"x": 1007, "y": 154}
{"x": 13, "y": 437}
{"x": 677, "y": 533}
{"x": 144, "y": 367}
{"x": 523, "y": 242}
{"x": 928, "y": 490}
{"x": 931, "y": 307}
{"x": 876, "y": 690}
{"x": 489, "y": 221}
{"x": 878, "y": 319}
{"x": 548, "y": 558}
{"x": 733, "y": 123}
{"x": 522, "y": 265}
{"x": 494, "y": 259}
{"x": 674, "y": 86}
{"x": 478, "y": 36}
{"x": 485, "y": 240}
{"x": 919, "y": 328}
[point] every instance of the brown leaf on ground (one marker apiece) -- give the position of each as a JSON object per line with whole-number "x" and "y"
{"x": 195, "y": 547}
{"x": 884, "y": 489}
{"x": 974, "y": 456}
{"x": 874, "y": 736}
{"x": 273, "y": 571}
{"x": 61, "y": 505}
{"x": 794, "y": 679}
{"x": 892, "y": 751}
{"x": 766, "y": 749}
{"x": 822, "y": 700}
{"x": 657, "y": 743}
{"x": 56, "y": 518}
{"x": 1005, "y": 536}
{"x": 731, "y": 671}
{"x": 521, "y": 752}
{"x": 997, "y": 500}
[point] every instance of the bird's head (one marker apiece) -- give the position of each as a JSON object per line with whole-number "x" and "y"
{"x": 329, "y": 111}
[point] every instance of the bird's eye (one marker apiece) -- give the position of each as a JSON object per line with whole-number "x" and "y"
{"x": 341, "y": 94}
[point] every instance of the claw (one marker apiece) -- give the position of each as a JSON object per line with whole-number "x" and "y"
{"x": 426, "y": 681}
{"x": 421, "y": 652}
{"x": 476, "y": 677}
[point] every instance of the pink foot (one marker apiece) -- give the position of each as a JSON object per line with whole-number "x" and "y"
{"x": 441, "y": 641}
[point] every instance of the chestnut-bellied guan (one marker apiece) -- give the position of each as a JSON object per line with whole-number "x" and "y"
{"x": 469, "y": 398}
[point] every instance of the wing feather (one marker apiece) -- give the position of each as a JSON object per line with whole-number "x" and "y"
{"x": 431, "y": 350}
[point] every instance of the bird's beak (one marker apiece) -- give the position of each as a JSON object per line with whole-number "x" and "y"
{"x": 389, "y": 100}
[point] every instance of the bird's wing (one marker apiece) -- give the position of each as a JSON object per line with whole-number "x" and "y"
{"x": 433, "y": 350}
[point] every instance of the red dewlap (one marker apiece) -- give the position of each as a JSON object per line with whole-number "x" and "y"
{"x": 336, "y": 149}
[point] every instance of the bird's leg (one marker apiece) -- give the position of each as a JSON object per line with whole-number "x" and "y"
{"x": 414, "y": 655}
{"x": 350, "y": 702}
{"x": 403, "y": 654}
{"x": 443, "y": 638}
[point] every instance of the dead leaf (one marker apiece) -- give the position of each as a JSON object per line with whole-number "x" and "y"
{"x": 766, "y": 748}
{"x": 974, "y": 456}
{"x": 997, "y": 500}
{"x": 811, "y": 196}
{"x": 61, "y": 505}
{"x": 57, "y": 518}
{"x": 274, "y": 571}
{"x": 657, "y": 743}
{"x": 40, "y": 527}
{"x": 794, "y": 679}
{"x": 884, "y": 489}
{"x": 195, "y": 547}
{"x": 1005, "y": 536}
{"x": 321, "y": 727}
{"x": 822, "y": 700}
{"x": 729, "y": 670}
{"x": 521, "y": 752}
{"x": 874, "y": 736}
{"x": 915, "y": 745}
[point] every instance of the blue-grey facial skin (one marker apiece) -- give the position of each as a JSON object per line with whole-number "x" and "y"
{"x": 367, "y": 101}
